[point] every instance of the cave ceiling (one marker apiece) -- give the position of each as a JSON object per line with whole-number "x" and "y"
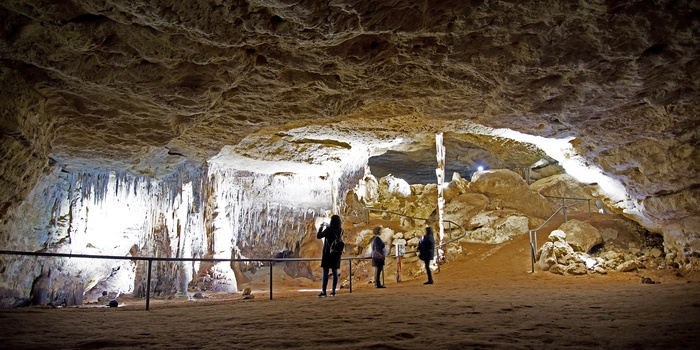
{"x": 147, "y": 85}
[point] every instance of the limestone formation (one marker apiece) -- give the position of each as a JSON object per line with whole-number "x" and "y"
{"x": 247, "y": 294}
{"x": 560, "y": 255}
{"x": 512, "y": 191}
{"x": 581, "y": 236}
{"x": 225, "y": 129}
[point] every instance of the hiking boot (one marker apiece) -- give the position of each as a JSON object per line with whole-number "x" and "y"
{"x": 380, "y": 287}
{"x": 429, "y": 282}
{"x": 332, "y": 294}
{"x": 322, "y": 295}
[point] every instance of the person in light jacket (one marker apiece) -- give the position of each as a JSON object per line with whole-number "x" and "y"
{"x": 329, "y": 260}
{"x": 426, "y": 250}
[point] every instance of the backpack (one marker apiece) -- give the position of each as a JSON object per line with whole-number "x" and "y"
{"x": 377, "y": 255}
{"x": 337, "y": 246}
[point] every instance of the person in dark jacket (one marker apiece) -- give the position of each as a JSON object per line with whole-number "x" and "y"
{"x": 330, "y": 261}
{"x": 378, "y": 257}
{"x": 426, "y": 249}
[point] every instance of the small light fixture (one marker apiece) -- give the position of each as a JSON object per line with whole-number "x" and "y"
{"x": 480, "y": 168}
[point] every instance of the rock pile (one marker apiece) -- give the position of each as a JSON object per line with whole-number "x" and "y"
{"x": 563, "y": 254}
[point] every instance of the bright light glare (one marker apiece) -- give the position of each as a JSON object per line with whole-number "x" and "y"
{"x": 589, "y": 262}
{"x": 480, "y": 168}
{"x": 574, "y": 164}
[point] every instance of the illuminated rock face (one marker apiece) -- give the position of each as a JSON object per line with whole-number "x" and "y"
{"x": 314, "y": 89}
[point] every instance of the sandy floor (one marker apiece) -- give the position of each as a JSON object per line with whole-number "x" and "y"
{"x": 487, "y": 300}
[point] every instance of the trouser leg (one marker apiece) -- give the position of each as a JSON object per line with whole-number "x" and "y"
{"x": 335, "y": 279}
{"x": 324, "y": 279}
{"x": 428, "y": 271}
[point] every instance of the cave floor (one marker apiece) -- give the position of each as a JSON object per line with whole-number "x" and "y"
{"x": 488, "y": 299}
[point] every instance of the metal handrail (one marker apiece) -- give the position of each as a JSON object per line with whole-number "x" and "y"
{"x": 270, "y": 260}
{"x": 449, "y": 222}
{"x": 563, "y": 201}
{"x": 533, "y": 232}
{"x": 151, "y": 259}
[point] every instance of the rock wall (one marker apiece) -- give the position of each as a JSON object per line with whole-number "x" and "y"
{"x": 195, "y": 213}
{"x": 26, "y": 133}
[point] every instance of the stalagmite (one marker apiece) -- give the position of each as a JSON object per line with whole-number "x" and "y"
{"x": 440, "y": 172}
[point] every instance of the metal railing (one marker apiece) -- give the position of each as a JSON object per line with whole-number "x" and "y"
{"x": 150, "y": 261}
{"x": 579, "y": 200}
{"x": 563, "y": 207}
{"x": 449, "y": 224}
{"x": 271, "y": 261}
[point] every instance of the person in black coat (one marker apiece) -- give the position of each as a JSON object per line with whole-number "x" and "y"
{"x": 426, "y": 249}
{"x": 378, "y": 257}
{"x": 330, "y": 261}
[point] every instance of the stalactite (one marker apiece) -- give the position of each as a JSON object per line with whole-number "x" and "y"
{"x": 193, "y": 212}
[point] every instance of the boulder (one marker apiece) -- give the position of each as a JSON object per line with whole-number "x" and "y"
{"x": 600, "y": 270}
{"x": 565, "y": 185}
{"x": 419, "y": 201}
{"x": 497, "y": 182}
{"x": 609, "y": 234}
{"x": 463, "y": 207}
{"x": 497, "y": 226}
{"x": 627, "y": 266}
{"x": 559, "y": 269}
{"x": 577, "y": 269}
{"x": 459, "y": 183}
{"x": 581, "y": 235}
{"x": 247, "y": 294}
{"x": 656, "y": 252}
{"x": 557, "y": 236}
{"x": 451, "y": 190}
{"x": 563, "y": 252}
{"x": 509, "y": 190}
{"x": 390, "y": 186}
{"x": 546, "y": 255}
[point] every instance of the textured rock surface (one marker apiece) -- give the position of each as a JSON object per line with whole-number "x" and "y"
{"x": 506, "y": 189}
{"x": 581, "y": 236}
{"x": 145, "y": 87}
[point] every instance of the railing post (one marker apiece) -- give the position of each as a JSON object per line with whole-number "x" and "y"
{"x": 148, "y": 285}
{"x": 398, "y": 268}
{"x": 566, "y": 218}
{"x": 532, "y": 252}
{"x": 589, "y": 207}
{"x": 271, "y": 263}
{"x": 350, "y": 272}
